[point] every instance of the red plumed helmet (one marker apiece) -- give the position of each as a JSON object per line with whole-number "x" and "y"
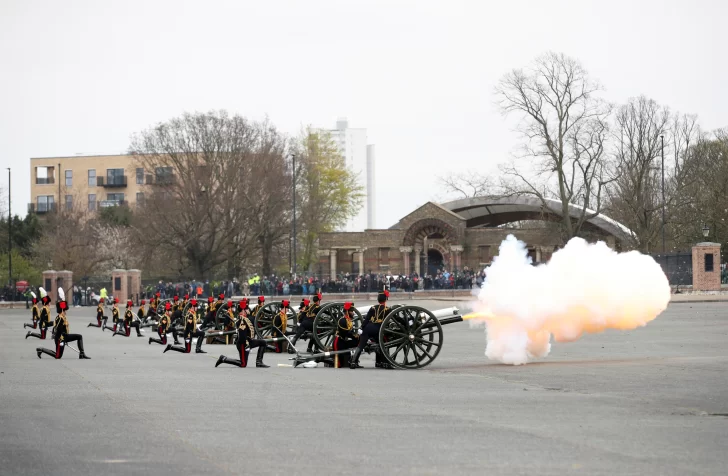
{"x": 167, "y": 306}
{"x": 63, "y": 305}
{"x": 285, "y": 303}
{"x": 210, "y": 299}
{"x": 347, "y": 305}
{"x": 244, "y": 302}
{"x": 306, "y": 302}
{"x": 129, "y": 303}
{"x": 261, "y": 298}
{"x": 221, "y": 296}
{"x": 193, "y": 302}
{"x": 158, "y": 294}
{"x": 176, "y": 298}
{"x": 116, "y": 300}
{"x": 187, "y": 296}
{"x": 143, "y": 302}
{"x": 386, "y": 292}
{"x": 101, "y": 300}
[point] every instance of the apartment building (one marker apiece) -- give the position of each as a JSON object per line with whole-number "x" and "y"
{"x": 90, "y": 182}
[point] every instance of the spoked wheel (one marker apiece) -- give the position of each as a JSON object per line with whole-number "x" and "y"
{"x": 220, "y": 315}
{"x": 264, "y": 320}
{"x": 160, "y": 306}
{"x": 410, "y": 337}
{"x": 326, "y": 321}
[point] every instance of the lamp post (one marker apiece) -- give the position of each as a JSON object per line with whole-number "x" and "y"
{"x": 10, "y": 238}
{"x": 662, "y": 140}
{"x": 293, "y": 156}
{"x": 706, "y": 230}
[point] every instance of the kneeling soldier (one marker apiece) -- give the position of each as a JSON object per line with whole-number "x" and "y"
{"x": 62, "y": 337}
{"x": 244, "y": 343}
{"x": 345, "y": 337}
{"x": 190, "y": 332}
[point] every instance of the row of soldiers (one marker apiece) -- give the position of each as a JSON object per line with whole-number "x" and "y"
{"x": 238, "y": 319}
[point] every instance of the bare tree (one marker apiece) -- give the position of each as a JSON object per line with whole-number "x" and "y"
{"x": 565, "y": 128}
{"x": 468, "y": 184}
{"x": 203, "y": 171}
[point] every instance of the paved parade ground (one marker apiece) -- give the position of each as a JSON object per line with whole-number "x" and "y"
{"x": 650, "y": 401}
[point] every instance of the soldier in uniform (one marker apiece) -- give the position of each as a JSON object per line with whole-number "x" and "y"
{"x": 45, "y": 316}
{"x": 153, "y": 305}
{"x": 129, "y": 322}
{"x": 35, "y": 313}
{"x": 305, "y": 322}
{"x": 114, "y": 316}
{"x": 176, "y": 311}
{"x": 62, "y": 335}
{"x": 141, "y": 314}
{"x": 163, "y": 326}
{"x": 209, "y": 320}
{"x": 257, "y": 308}
{"x": 280, "y": 323}
{"x": 99, "y": 315}
{"x": 345, "y": 337}
{"x": 244, "y": 342}
{"x": 190, "y": 332}
{"x": 370, "y": 327}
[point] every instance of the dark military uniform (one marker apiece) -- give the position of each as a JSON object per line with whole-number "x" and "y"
{"x": 129, "y": 322}
{"x": 99, "y": 316}
{"x": 44, "y": 321}
{"x": 190, "y": 332}
{"x": 345, "y": 338}
{"x": 114, "y": 319}
{"x": 35, "y": 314}
{"x": 244, "y": 343}
{"x": 280, "y": 324}
{"x": 305, "y": 324}
{"x": 370, "y": 329}
{"x": 162, "y": 328}
{"x": 63, "y": 337}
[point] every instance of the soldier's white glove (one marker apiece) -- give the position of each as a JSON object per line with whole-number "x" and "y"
{"x": 360, "y": 332}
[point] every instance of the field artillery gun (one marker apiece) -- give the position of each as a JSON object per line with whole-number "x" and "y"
{"x": 410, "y": 337}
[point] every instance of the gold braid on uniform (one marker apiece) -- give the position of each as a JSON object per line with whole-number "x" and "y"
{"x": 379, "y": 314}
{"x": 284, "y": 320}
{"x": 245, "y": 324}
{"x": 348, "y": 327}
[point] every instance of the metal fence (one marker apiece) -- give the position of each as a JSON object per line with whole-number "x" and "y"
{"x": 678, "y": 267}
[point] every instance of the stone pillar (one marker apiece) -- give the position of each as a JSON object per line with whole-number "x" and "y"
{"x": 64, "y": 279}
{"x": 49, "y": 284}
{"x": 418, "y": 251}
{"x": 406, "y": 250}
{"x": 538, "y": 254}
{"x": 135, "y": 281}
{"x": 706, "y": 267}
{"x": 323, "y": 257}
{"x": 456, "y": 251}
{"x": 118, "y": 285}
{"x": 332, "y": 254}
{"x": 361, "y": 260}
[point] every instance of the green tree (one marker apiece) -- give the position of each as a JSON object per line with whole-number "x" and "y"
{"x": 26, "y": 231}
{"x": 329, "y": 191}
{"x": 23, "y": 268}
{"x": 115, "y": 216}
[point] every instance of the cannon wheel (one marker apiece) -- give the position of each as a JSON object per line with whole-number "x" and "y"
{"x": 220, "y": 314}
{"x": 324, "y": 325}
{"x": 410, "y": 337}
{"x": 160, "y": 307}
{"x": 264, "y": 320}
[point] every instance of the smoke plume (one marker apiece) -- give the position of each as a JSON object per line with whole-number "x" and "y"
{"x": 584, "y": 288}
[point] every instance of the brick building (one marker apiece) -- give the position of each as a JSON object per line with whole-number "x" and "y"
{"x": 452, "y": 235}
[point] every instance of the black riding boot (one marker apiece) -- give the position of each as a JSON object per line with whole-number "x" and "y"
{"x": 259, "y": 357}
{"x": 354, "y": 362}
{"x": 41, "y": 350}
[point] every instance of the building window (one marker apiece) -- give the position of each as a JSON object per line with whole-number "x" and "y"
{"x": 708, "y": 262}
{"x": 92, "y": 178}
{"x": 44, "y": 175}
{"x": 163, "y": 175}
{"x": 92, "y": 200}
{"x": 45, "y": 203}
{"x": 116, "y": 197}
{"x": 115, "y": 177}
{"x": 140, "y": 198}
{"x": 140, "y": 176}
{"x": 69, "y": 178}
{"x": 69, "y": 202}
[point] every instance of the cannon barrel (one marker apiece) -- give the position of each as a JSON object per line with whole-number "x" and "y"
{"x": 450, "y": 320}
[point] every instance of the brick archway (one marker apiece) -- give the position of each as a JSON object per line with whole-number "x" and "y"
{"x": 428, "y": 227}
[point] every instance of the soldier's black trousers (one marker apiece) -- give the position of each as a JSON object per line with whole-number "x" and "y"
{"x": 188, "y": 343}
{"x": 243, "y": 353}
{"x": 43, "y": 328}
{"x": 127, "y": 329}
{"x": 98, "y": 323}
{"x": 162, "y": 337}
{"x": 34, "y": 325}
{"x": 370, "y": 331}
{"x": 61, "y": 345}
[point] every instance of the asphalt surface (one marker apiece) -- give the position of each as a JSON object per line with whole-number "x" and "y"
{"x": 650, "y": 401}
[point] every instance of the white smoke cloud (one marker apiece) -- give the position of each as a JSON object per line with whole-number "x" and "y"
{"x": 584, "y": 288}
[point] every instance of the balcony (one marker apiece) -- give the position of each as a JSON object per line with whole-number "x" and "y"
{"x": 111, "y": 182}
{"x": 45, "y": 181}
{"x": 41, "y": 208}
{"x": 111, "y": 203}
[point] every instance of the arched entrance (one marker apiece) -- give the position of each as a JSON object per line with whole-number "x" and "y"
{"x": 434, "y": 261}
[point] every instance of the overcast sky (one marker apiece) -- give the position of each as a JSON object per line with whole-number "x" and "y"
{"x": 82, "y": 76}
